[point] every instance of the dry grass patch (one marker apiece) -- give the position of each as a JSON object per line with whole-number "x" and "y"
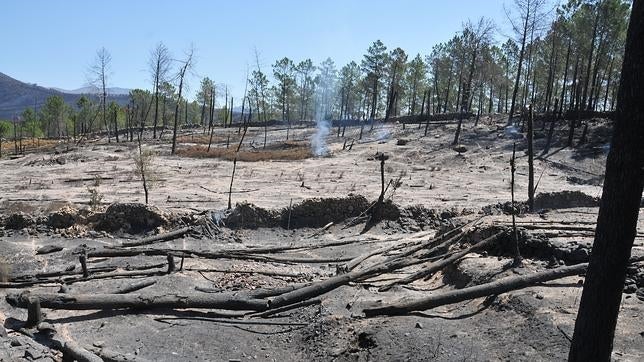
{"x": 204, "y": 139}
{"x": 30, "y": 145}
{"x": 289, "y": 151}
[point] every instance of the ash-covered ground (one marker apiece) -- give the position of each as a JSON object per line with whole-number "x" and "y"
{"x": 296, "y": 220}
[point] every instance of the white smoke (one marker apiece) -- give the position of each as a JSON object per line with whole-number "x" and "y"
{"x": 318, "y": 142}
{"x": 383, "y": 133}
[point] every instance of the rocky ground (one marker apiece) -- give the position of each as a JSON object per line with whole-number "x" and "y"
{"x": 57, "y": 204}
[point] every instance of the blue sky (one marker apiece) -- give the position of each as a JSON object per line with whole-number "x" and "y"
{"x": 52, "y": 43}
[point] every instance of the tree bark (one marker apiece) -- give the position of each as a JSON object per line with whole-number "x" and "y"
{"x": 530, "y": 137}
{"x": 497, "y": 287}
{"x": 439, "y": 265}
{"x": 136, "y": 301}
{"x": 519, "y": 66}
{"x": 619, "y": 208}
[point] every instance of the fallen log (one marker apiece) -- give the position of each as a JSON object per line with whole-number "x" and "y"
{"x": 439, "y": 265}
{"x": 136, "y": 301}
{"x": 274, "y": 311}
{"x": 220, "y": 254}
{"x": 71, "y": 270}
{"x": 325, "y": 286}
{"x": 390, "y": 264}
{"x": 353, "y": 263}
{"x": 497, "y": 287}
{"x": 157, "y": 238}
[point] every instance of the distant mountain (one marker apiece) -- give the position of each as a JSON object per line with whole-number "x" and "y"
{"x": 95, "y": 90}
{"x": 16, "y": 96}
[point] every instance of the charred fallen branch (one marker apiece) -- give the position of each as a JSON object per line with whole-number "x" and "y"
{"x": 493, "y": 288}
{"x": 136, "y": 301}
{"x": 496, "y": 287}
{"x": 439, "y": 265}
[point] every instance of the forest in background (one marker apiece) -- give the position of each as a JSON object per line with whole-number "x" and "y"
{"x": 566, "y": 58}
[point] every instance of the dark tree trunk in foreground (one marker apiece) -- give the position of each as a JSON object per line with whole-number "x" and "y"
{"x": 618, "y": 212}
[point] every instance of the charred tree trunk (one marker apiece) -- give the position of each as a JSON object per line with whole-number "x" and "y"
{"x": 519, "y": 66}
{"x": 619, "y": 208}
{"x": 590, "y": 62}
{"x": 530, "y": 137}
{"x": 565, "y": 79}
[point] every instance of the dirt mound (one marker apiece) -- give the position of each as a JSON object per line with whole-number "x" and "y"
{"x": 63, "y": 218}
{"x": 249, "y": 216}
{"x": 547, "y": 200}
{"x": 418, "y": 217}
{"x": 564, "y": 200}
{"x": 321, "y": 211}
{"x": 309, "y": 213}
{"x": 19, "y": 220}
{"x": 132, "y": 218}
{"x": 505, "y": 208}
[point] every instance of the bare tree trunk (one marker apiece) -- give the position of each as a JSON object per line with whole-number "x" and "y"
{"x": 449, "y": 85}
{"x": 530, "y": 160}
{"x": 608, "y": 77}
{"x": 520, "y": 65}
{"x": 590, "y": 62}
{"x": 565, "y": 79}
{"x": 182, "y": 74}
{"x": 515, "y": 235}
{"x": 619, "y": 208}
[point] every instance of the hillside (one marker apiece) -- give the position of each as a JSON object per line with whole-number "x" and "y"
{"x": 16, "y": 96}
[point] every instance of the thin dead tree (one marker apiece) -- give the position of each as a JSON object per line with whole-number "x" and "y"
{"x": 98, "y": 74}
{"x": 232, "y": 177}
{"x": 186, "y": 65}
{"x": 530, "y": 137}
{"x": 515, "y": 235}
{"x": 143, "y": 160}
{"x": 160, "y": 64}
{"x": 262, "y": 93}
{"x": 476, "y": 36}
{"x": 528, "y": 11}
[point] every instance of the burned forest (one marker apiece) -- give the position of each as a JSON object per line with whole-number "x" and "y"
{"x": 477, "y": 199}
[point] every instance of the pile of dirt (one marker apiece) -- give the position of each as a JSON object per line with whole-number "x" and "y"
{"x": 248, "y": 216}
{"x": 499, "y": 208}
{"x": 318, "y": 212}
{"x": 311, "y": 213}
{"x": 547, "y": 200}
{"x": 18, "y": 221}
{"x": 132, "y": 218}
{"x": 63, "y": 218}
{"x": 564, "y": 200}
{"x": 418, "y": 217}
